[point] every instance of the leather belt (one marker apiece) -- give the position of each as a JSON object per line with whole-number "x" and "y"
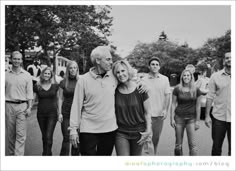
{"x": 15, "y": 102}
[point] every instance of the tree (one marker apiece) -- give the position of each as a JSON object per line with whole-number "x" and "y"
{"x": 214, "y": 49}
{"x": 19, "y": 28}
{"x": 173, "y": 57}
{"x": 56, "y": 28}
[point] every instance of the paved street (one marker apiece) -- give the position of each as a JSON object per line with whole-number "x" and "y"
{"x": 166, "y": 145}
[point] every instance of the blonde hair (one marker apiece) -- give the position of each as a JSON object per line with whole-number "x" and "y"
{"x": 126, "y": 64}
{"x": 41, "y": 77}
{"x": 67, "y": 75}
{"x": 16, "y": 53}
{"x": 191, "y": 85}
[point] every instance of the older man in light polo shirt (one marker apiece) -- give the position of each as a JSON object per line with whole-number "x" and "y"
{"x": 18, "y": 96}
{"x": 93, "y": 111}
{"x": 160, "y": 98}
{"x": 220, "y": 93}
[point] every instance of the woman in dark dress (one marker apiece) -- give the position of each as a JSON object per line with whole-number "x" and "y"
{"x": 47, "y": 94}
{"x": 66, "y": 94}
{"x": 132, "y": 110}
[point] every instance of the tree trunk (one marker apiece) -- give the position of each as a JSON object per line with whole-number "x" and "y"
{"x": 84, "y": 61}
{"x": 23, "y": 57}
{"x": 54, "y": 61}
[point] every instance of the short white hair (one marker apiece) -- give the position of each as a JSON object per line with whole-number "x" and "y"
{"x": 99, "y": 52}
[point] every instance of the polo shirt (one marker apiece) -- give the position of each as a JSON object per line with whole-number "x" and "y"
{"x": 220, "y": 93}
{"x": 93, "y": 107}
{"x": 18, "y": 86}
{"x": 159, "y": 88}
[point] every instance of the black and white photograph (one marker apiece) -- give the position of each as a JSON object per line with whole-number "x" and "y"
{"x": 117, "y": 85}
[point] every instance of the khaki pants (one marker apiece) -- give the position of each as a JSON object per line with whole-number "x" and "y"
{"x": 15, "y": 128}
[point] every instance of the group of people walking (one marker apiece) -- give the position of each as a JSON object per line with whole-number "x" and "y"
{"x": 106, "y": 107}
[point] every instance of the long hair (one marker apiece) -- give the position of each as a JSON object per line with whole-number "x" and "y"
{"x": 191, "y": 85}
{"x": 42, "y": 79}
{"x": 126, "y": 64}
{"x": 67, "y": 75}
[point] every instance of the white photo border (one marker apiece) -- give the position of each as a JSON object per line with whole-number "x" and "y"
{"x": 113, "y": 162}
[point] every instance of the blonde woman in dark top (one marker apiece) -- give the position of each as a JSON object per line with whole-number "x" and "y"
{"x": 66, "y": 93}
{"x": 47, "y": 94}
{"x": 132, "y": 110}
{"x": 185, "y": 112}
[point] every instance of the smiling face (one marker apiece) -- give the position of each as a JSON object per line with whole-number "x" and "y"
{"x": 47, "y": 75}
{"x": 105, "y": 62}
{"x": 154, "y": 66}
{"x": 16, "y": 60}
{"x": 187, "y": 77}
{"x": 73, "y": 69}
{"x": 122, "y": 74}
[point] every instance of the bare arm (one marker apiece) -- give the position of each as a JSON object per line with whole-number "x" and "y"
{"x": 198, "y": 109}
{"x": 167, "y": 99}
{"x": 172, "y": 113}
{"x": 166, "y": 106}
{"x": 35, "y": 97}
{"x": 147, "y": 109}
{"x": 210, "y": 96}
{"x": 207, "y": 112}
{"x": 60, "y": 98}
{"x": 29, "y": 96}
{"x": 147, "y": 133}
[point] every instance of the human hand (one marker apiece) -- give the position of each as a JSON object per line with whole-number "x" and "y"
{"x": 74, "y": 140}
{"x": 144, "y": 137}
{"x": 142, "y": 87}
{"x": 28, "y": 112}
{"x": 60, "y": 118}
{"x": 172, "y": 123}
{"x": 208, "y": 121}
{"x": 197, "y": 125}
{"x": 163, "y": 115}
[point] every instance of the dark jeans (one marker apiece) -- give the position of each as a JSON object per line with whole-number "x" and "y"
{"x": 203, "y": 110}
{"x": 65, "y": 148}
{"x": 219, "y": 130}
{"x": 97, "y": 144}
{"x": 47, "y": 126}
{"x": 126, "y": 144}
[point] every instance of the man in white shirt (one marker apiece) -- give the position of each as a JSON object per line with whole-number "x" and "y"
{"x": 160, "y": 98}
{"x": 18, "y": 104}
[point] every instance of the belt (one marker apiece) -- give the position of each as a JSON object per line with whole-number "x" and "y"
{"x": 15, "y": 102}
